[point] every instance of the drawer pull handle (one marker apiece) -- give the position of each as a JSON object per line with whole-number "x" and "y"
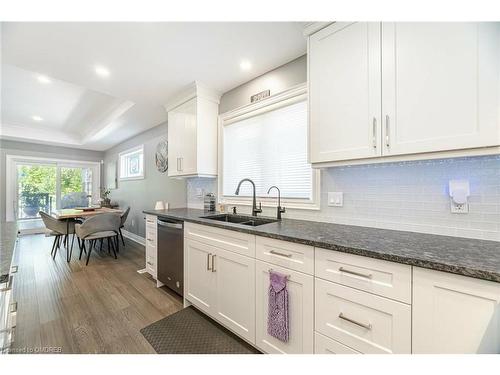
{"x": 366, "y": 326}
{"x": 213, "y": 263}
{"x": 14, "y": 269}
{"x": 151, "y": 264}
{"x": 367, "y": 276}
{"x": 150, "y": 240}
{"x": 208, "y": 261}
{"x": 280, "y": 254}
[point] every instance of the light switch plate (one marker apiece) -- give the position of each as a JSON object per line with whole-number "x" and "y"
{"x": 335, "y": 199}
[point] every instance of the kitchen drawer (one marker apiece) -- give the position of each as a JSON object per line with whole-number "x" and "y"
{"x": 325, "y": 345}
{"x": 360, "y": 320}
{"x": 291, "y": 255}
{"x": 241, "y": 243}
{"x": 151, "y": 221}
{"x": 387, "y": 279}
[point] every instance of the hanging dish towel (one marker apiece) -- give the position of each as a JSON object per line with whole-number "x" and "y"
{"x": 277, "y": 319}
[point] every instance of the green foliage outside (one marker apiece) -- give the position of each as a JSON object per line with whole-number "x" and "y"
{"x": 42, "y": 179}
{"x": 36, "y": 182}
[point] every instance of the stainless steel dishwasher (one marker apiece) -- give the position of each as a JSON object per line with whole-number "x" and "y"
{"x": 171, "y": 254}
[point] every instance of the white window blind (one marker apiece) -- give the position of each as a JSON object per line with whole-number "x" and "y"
{"x": 270, "y": 149}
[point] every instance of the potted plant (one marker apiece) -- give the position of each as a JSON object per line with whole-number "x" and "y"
{"x": 106, "y": 201}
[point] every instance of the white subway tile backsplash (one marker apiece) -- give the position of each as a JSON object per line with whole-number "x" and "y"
{"x": 410, "y": 196}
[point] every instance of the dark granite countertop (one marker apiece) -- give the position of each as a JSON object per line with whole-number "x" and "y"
{"x": 8, "y": 236}
{"x": 469, "y": 257}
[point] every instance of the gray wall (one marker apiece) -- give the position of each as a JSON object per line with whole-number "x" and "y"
{"x": 276, "y": 80}
{"x": 142, "y": 194}
{"x": 8, "y": 147}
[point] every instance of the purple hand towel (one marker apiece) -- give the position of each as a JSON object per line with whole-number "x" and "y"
{"x": 277, "y": 319}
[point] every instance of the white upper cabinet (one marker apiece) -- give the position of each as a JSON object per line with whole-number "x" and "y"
{"x": 344, "y": 92}
{"x": 440, "y": 86}
{"x": 413, "y": 89}
{"x": 192, "y": 132}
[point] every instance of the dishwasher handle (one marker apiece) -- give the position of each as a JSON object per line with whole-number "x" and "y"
{"x": 170, "y": 225}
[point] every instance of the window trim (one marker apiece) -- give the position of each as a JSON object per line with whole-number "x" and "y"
{"x": 293, "y": 95}
{"x": 130, "y": 151}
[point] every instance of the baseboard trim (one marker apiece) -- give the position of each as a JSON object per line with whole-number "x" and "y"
{"x": 134, "y": 237}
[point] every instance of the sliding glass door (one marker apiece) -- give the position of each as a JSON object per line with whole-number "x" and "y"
{"x": 46, "y": 186}
{"x": 36, "y": 190}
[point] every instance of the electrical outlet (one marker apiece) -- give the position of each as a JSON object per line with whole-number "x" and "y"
{"x": 336, "y": 199}
{"x": 459, "y": 208}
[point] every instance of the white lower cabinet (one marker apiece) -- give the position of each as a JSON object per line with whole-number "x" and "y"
{"x": 362, "y": 321}
{"x": 325, "y": 345}
{"x": 301, "y": 311}
{"x": 200, "y": 282}
{"x": 454, "y": 314}
{"x": 235, "y": 292}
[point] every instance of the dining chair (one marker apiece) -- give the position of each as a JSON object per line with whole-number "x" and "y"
{"x": 123, "y": 218}
{"x": 98, "y": 228}
{"x": 58, "y": 228}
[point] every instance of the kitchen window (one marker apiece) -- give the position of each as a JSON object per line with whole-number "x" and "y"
{"x": 267, "y": 142}
{"x": 132, "y": 164}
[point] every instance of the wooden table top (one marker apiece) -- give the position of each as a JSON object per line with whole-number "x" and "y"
{"x": 72, "y": 213}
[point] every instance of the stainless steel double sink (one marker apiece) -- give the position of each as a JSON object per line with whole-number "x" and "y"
{"x": 251, "y": 221}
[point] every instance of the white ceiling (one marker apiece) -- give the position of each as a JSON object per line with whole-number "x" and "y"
{"x": 148, "y": 62}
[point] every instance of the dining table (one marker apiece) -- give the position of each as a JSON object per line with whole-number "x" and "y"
{"x": 70, "y": 214}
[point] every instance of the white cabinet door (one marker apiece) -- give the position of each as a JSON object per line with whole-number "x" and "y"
{"x": 440, "y": 86}
{"x": 200, "y": 281}
{"x": 301, "y": 313}
{"x": 182, "y": 139}
{"x": 454, "y": 314}
{"x": 235, "y": 295}
{"x": 345, "y": 92}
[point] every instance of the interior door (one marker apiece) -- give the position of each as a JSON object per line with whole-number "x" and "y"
{"x": 440, "y": 86}
{"x": 235, "y": 302}
{"x": 345, "y": 92}
{"x": 200, "y": 280}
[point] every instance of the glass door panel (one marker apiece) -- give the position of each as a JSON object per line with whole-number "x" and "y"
{"x": 36, "y": 190}
{"x": 75, "y": 187}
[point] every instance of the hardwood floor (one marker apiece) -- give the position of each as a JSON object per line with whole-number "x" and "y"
{"x": 74, "y": 308}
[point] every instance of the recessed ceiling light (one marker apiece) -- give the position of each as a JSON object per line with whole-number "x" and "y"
{"x": 101, "y": 71}
{"x": 245, "y": 65}
{"x": 37, "y": 118}
{"x": 43, "y": 79}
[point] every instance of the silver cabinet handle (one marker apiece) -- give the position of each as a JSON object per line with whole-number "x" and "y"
{"x": 14, "y": 269}
{"x": 208, "y": 261}
{"x": 387, "y": 132}
{"x": 213, "y": 263}
{"x": 365, "y": 275}
{"x": 280, "y": 254}
{"x": 177, "y": 164}
{"x": 181, "y": 159}
{"x": 366, "y": 326}
{"x": 374, "y": 132}
{"x": 151, "y": 264}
